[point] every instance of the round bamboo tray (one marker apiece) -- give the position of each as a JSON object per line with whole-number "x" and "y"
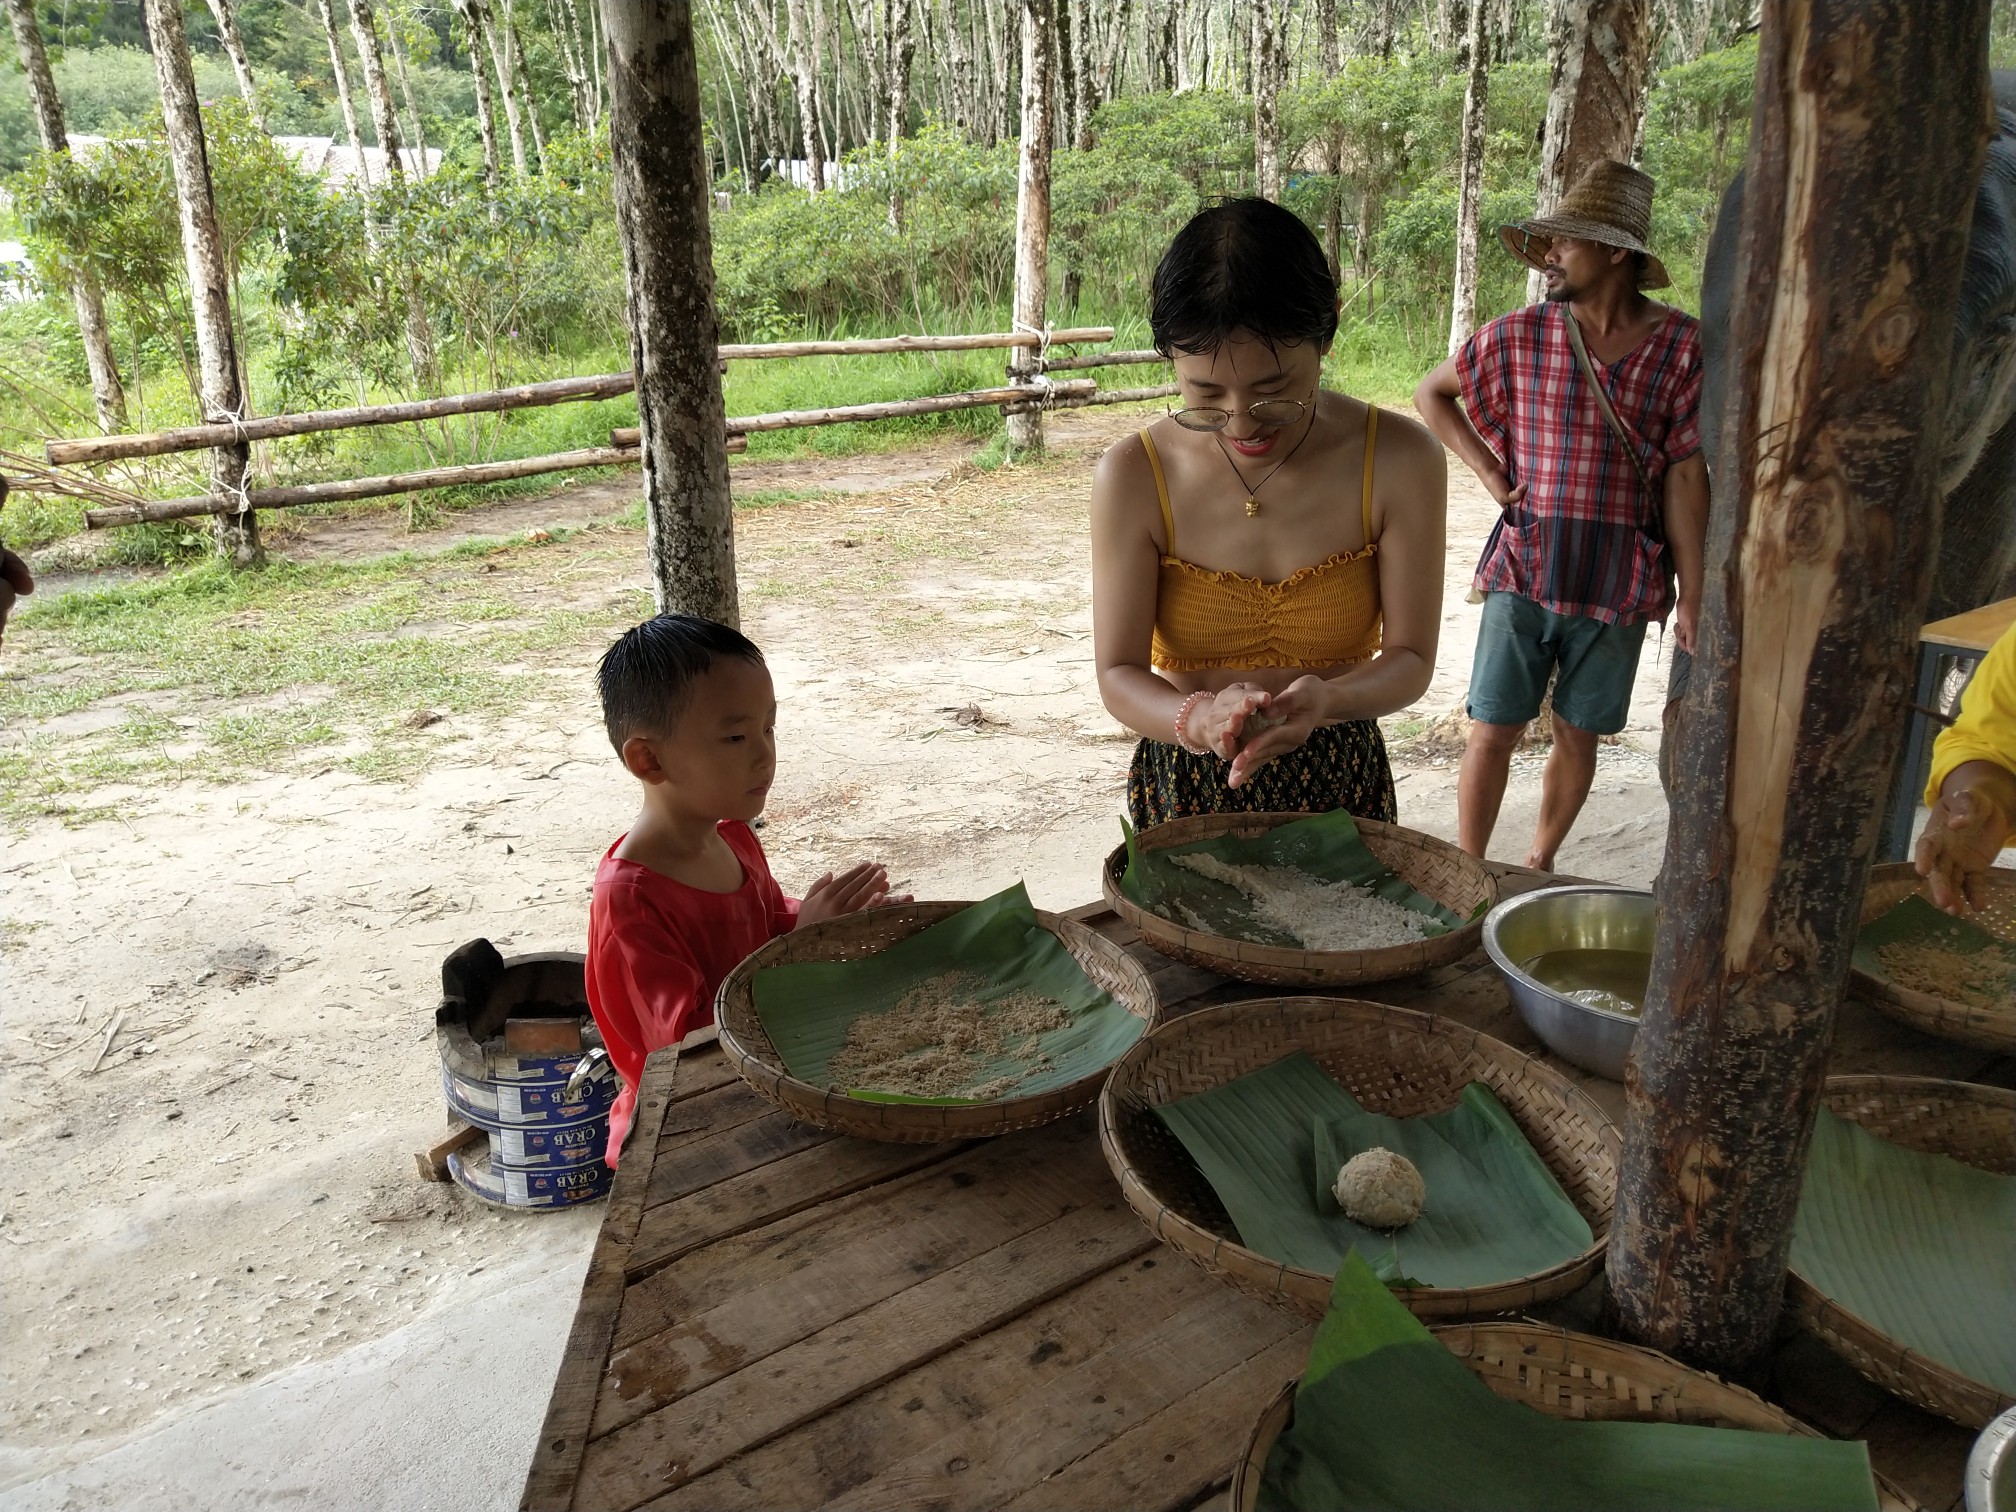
{"x": 1992, "y": 1028}
{"x": 1975, "y": 1125}
{"x": 1394, "y": 1061}
{"x": 868, "y": 933}
{"x": 1568, "y": 1375}
{"x": 1434, "y": 868}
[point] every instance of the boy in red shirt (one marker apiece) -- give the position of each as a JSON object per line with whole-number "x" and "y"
{"x": 686, "y": 894}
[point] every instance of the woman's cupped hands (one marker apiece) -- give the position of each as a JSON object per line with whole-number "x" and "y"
{"x": 1249, "y": 726}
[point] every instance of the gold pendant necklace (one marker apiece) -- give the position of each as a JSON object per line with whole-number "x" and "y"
{"x": 1253, "y": 494}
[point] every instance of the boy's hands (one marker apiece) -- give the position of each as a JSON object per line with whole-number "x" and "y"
{"x": 863, "y": 885}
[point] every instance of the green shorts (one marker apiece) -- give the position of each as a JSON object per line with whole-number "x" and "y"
{"x": 1520, "y": 643}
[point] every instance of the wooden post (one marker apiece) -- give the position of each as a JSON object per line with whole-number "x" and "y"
{"x": 662, "y": 194}
{"x": 1870, "y": 122}
{"x": 107, "y": 393}
{"x": 1032, "y": 214}
{"x": 1476, "y": 56}
{"x": 1599, "y": 57}
{"x": 237, "y": 535}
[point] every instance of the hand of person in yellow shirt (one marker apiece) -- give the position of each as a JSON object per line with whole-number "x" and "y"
{"x": 1973, "y": 819}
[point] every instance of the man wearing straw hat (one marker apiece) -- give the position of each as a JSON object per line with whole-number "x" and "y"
{"x": 1580, "y": 415}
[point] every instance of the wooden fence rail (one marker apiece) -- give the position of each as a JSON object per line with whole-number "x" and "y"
{"x": 845, "y": 414}
{"x": 91, "y": 449}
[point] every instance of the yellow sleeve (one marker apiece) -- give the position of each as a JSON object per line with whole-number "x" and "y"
{"x": 1986, "y": 728}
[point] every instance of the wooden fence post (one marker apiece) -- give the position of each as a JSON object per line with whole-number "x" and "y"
{"x": 1032, "y": 213}
{"x": 662, "y": 198}
{"x": 1866, "y": 145}
{"x": 222, "y": 397}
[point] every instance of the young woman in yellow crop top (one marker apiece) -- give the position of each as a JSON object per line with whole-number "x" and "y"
{"x": 1266, "y": 564}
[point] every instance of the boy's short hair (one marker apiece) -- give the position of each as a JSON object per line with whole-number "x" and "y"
{"x": 646, "y": 678}
{"x": 1246, "y": 264}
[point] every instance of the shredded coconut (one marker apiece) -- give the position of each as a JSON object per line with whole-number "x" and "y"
{"x": 1979, "y": 979}
{"x": 1321, "y": 915}
{"x": 941, "y": 1036}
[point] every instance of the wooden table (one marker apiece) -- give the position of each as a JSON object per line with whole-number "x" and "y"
{"x": 1958, "y": 640}
{"x": 777, "y": 1317}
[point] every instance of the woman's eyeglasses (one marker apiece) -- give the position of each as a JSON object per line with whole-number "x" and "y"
{"x": 1270, "y": 413}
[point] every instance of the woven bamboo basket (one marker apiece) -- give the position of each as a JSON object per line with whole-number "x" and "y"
{"x": 868, "y": 933}
{"x": 1394, "y": 1061}
{"x": 1434, "y": 868}
{"x": 1992, "y": 1028}
{"x": 1975, "y": 1125}
{"x": 1568, "y": 1375}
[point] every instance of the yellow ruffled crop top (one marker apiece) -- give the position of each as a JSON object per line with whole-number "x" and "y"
{"x": 1320, "y": 616}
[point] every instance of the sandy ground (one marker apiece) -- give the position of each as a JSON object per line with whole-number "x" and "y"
{"x": 216, "y": 1257}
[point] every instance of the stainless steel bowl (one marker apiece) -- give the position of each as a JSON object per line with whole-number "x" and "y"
{"x": 1570, "y": 918}
{"x": 1991, "y": 1467}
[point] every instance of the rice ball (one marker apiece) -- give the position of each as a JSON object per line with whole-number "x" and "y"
{"x": 1380, "y": 1189}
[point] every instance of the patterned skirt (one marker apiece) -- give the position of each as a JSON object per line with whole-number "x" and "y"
{"x": 1340, "y": 766}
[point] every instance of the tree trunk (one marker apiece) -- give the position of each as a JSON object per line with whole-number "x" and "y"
{"x": 348, "y": 101}
{"x": 108, "y": 394}
{"x": 1032, "y": 213}
{"x": 802, "y": 75}
{"x": 1599, "y": 56}
{"x": 406, "y": 89}
{"x": 500, "y": 62}
{"x": 902, "y": 54}
{"x": 662, "y": 214}
{"x": 1476, "y": 56}
{"x": 1333, "y": 157}
{"x": 234, "y": 49}
{"x": 531, "y": 96}
{"x": 1266, "y": 92}
{"x": 1381, "y": 38}
{"x": 1070, "y": 106}
{"x": 364, "y": 28}
{"x": 237, "y": 535}
{"x": 1865, "y": 150}
{"x": 479, "y": 73}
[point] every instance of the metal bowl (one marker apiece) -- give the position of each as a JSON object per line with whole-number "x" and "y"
{"x": 1991, "y": 1467}
{"x": 1570, "y": 918}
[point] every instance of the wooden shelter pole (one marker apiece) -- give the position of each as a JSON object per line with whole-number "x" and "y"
{"x": 1870, "y": 123}
{"x": 662, "y": 198}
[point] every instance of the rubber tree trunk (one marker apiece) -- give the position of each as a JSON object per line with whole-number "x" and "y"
{"x": 1867, "y": 140}
{"x": 902, "y": 57}
{"x": 1032, "y": 213}
{"x": 364, "y": 28}
{"x": 234, "y": 49}
{"x": 1266, "y": 100}
{"x": 525, "y": 80}
{"x": 1476, "y": 57}
{"x": 348, "y": 101}
{"x": 803, "y": 65}
{"x": 406, "y": 90}
{"x": 1599, "y": 59}
{"x": 479, "y": 73}
{"x": 662, "y": 193}
{"x": 108, "y": 394}
{"x": 500, "y": 60}
{"x": 1070, "y": 114}
{"x": 237, "y": 535}
{"x": 1333, "y": 157}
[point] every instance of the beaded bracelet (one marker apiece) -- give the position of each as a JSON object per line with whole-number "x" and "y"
{"x": 1183, "y": 719}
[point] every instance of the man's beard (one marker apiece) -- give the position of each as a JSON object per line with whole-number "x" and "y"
{"x": 1559, "y": 293}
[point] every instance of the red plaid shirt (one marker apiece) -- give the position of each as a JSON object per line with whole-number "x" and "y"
{"x": 1588, "y": 538}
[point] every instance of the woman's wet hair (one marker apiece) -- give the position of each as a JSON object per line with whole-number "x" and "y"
{"x": 647, "y": 677}
{"x": 1244, "y": 265}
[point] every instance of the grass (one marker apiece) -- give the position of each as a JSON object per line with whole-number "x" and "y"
{"x": 275, "y": 670}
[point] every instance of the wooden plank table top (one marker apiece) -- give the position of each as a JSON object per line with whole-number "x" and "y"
{"x": 778, "y": 1317}
{"x": 1975, "y": 630}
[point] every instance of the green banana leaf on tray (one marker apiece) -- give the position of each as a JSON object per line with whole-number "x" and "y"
{"x": 807, "y": 1007}
{"x": 1914, "y": 921}
{"x": 1270, "y": 1143}
{"x": 1325, "y": 846}
{"x": 1918, "y": 1245}
{"x": 1387, "y": 1418}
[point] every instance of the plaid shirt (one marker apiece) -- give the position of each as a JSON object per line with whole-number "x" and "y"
{"x": 1587, "y": 539}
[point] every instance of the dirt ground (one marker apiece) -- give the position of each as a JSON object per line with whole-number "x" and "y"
{"x": 231, "y": 1191}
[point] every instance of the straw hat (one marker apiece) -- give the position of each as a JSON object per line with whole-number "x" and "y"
{"x": 1612, "y": 205}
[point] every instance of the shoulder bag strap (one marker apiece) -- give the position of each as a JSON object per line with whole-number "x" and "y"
{"x": 1603, "y": 402}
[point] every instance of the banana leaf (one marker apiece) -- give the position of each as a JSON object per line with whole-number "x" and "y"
{"x": 1919, "y": 1245}
{"x": 807, "y": 1007}
{"x": 1914, "y": 921}
{"x": 1271, "y": 1142}
{"x": 1386, "y": 1418}
{"x": 1327, "y": 847}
